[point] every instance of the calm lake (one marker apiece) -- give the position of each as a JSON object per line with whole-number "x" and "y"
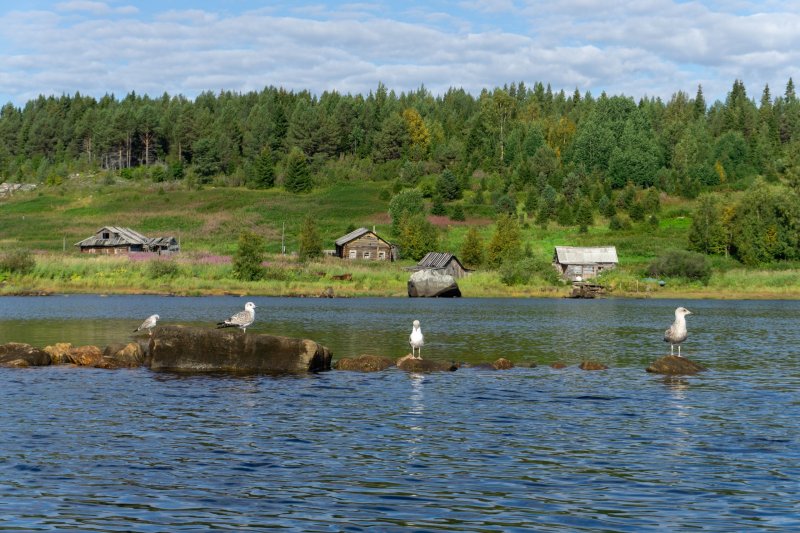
{"x": 528, "y": 449}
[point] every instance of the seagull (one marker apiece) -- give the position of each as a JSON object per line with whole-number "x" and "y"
{"x": 416, "y": 340}
{"x": 148, "y": 324}
{"x": 242, "y": 319}
{"x": 677, "y": 333}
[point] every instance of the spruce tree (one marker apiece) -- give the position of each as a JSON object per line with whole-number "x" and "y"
{"x": 298, "y": 175}
{"x": 248, "y": 257}
{"x": 310, "y": 242}
{"x": 472, "y": 249}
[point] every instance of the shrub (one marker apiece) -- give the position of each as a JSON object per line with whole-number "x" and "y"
{"x": 310, "y": 241}
{"x": 520, "y": 272}
{"x": 17, "y": 262}
{"x": 457, "y": 213}
{"x": 681, "y": 264}
{"x": 162, "y": 268}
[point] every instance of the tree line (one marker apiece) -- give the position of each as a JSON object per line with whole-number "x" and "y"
{"x": 561, "y": 157}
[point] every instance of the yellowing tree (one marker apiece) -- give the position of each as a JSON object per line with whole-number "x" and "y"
{"x": 420, "y": 137}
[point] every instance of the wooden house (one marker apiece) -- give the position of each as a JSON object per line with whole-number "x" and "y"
{"x": 365, "y": 244}
{"x": 113, "y": 240}
{"x": 443, "y": 263}
{"x": 580, "y": 263}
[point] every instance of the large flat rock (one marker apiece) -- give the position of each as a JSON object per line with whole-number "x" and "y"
{"x": 195, "y": 349}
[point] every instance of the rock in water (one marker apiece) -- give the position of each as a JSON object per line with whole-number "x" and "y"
{"x": 503, "y": 364}
{"x": 592, "y": 365}
{"x": 411, "y": 364}
{"x": 672, "y": 364}
{"x": 59, "y": 353}
{"x": 432, "y": 284}
{"x": 364, "y": 363}
{"x": 85, "y": 356}
{"x": 195, "y": 349}
{"x": 20, "y": 355}
{"x": 123, "y": 355}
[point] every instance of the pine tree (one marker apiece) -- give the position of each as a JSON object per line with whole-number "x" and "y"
{"x": 506, "y": 242}
{"x": 248, "y": 257}
{"x": 264, "y": 169}
{"x": 298, "y": 175}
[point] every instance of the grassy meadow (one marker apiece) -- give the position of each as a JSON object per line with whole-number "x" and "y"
{"x": 50, "y": 220}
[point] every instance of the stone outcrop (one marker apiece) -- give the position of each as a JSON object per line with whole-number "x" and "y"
{"x": 592, "y": 365}
{"x": 364, "y": 363}
{"x": 195, "y": 349}
{"x": 410, "y": 364}
{"x": 20, "y": 355}
{"x": 85, "y": 356}
{"x": 503, "y": 364}
{"x": 558, "y": 365}
{"x": 128, "y": 355}
{"x": 59, "y": 353}
{"x": 672, "y": 364}
{"x": 432, "y": 284}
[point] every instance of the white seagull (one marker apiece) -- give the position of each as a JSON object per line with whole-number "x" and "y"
{"x": 148, "y": 324}
{"x": 416, "y": 340}
{"x": 242, "y": 319}
{"x": 677, "y": 333}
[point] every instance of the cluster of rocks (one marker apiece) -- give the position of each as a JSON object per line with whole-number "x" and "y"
{"x": 196, "y": 349}
{"x": 180, "y": 348}
{"x": 15, "y": 354}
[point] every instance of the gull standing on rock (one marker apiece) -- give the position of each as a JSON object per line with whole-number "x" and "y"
{"x": 242, "y": 319}
{"x": 416, "y": 340}
{"x": 148, "y": 324}
{"x": 677, "y": 333}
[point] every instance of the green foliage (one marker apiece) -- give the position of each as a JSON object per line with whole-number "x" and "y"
{"x": 521, "y": 271}
{"x": 263, "y": 174}
{"x": 17, "y": 262}
{"x": 310, "y": 241}
{"x": 457, "y": 213}
{"x": 619, "y": 222}
{"x": 472, "y": 249}
{"x": 404, "y": 202}
{"x": 505, "y": 204}
{"x": 438, "y": 208}
{"x": 298, "y": 175}
{"x": 681, "y": 264}
{"x": 506, "y": 242}
{"x": 417, "y": 236}
{"x": 205, "y": 158}
{"x": 248, "y": 257}
{"x": 765, "y": 226}
{"x": 708, "y": 234}
{"x": 448, "y": 186}
{"x": 162, "y": 268}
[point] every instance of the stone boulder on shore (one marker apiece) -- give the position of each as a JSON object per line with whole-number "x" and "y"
{"x": 432, "y": 284}
{"x": 20, "y": 355}
{"x": 410, "y": 364}
{"x": 364, "y": 363}
{"x": 196, "y": 349}
{"x": 672, "y": 364}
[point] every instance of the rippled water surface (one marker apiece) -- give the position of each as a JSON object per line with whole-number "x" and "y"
{"x": 473, "y": 450}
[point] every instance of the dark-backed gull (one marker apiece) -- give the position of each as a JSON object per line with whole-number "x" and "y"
{"x": 416, "y": 340}
{"x": 148, "y": 324}
{"x": 677, "y": 333}
{"x": 242, "y": 319}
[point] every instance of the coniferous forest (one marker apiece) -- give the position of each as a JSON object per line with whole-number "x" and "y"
{"x": 561, "y": 158}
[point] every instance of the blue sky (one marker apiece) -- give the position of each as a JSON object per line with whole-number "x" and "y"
{"x": 638, "y": 48}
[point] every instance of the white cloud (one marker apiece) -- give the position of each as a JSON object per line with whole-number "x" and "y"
{"x": 653, "y": 48}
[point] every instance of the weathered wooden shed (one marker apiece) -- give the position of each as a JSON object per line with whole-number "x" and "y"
{"x": 365, "y": 244}
{"x": 113, "y": 240}
{"x": 576, "y": 263}
{"x": 442, "y": 262}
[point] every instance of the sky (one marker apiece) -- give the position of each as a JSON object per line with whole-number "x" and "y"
{"x": 641, "y": 48}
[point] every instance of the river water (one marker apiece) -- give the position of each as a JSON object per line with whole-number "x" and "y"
{"x": 529, "y": 449}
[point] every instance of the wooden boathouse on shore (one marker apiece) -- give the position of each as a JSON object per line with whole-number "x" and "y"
{"x": 581, "y": 263}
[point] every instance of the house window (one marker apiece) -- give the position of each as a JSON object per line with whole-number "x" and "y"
{"x": 366, "y": 255}
{"x": 352, "y": 254}
{"x": 382, "y": 255}
{"x": 106, "y": 235}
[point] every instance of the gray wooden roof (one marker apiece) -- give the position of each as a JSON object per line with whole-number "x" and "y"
{"x": 119, "y": 237}
{"x": 575, "y": 255}
{"x": 355, "y": 234}
{"x": 437, "y": 260}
